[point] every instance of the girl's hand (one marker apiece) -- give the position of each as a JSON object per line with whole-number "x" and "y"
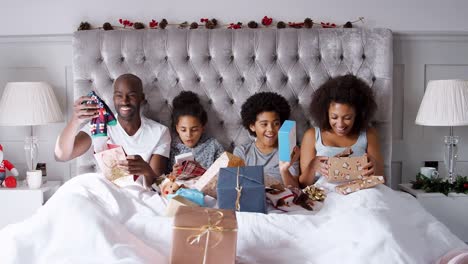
{"x": 285, "y": 165}
{"x": 175, "y": 168}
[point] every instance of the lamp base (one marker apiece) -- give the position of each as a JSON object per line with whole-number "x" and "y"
{"x": 450, "y": 158}
{"x": 31, "y": 152}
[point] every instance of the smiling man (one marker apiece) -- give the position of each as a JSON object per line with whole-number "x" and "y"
{"x": 146, "y": 142}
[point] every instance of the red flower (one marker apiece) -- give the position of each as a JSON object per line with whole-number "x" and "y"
{"x": 153, "y": 23}
{"x": 10, "y": 182}
{"x": 126, "y": 22}
{"x": 328, "y": 25}
{"x": 203, "y": 20}
{"x": 465, "y": 185}
{"x": 235, "y": 26}
{"x": 266, "y": 21}
{"x": 295, "y": 24}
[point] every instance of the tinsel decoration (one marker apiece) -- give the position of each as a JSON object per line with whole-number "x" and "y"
{"x": 84, "y": 26}
{"x": 442, "y": 185}
{"x": 107, "y": 26}
{"x": 314, "y": 193}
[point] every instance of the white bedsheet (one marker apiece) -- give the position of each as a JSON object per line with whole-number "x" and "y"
{"x": 90, "y": 220}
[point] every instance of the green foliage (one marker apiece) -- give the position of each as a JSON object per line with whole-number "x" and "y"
{"x": 441, "y": 185}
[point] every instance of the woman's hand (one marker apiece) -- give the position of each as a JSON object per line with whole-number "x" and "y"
{"x": 319, "y": 164}
{"x": 369, "y": 167}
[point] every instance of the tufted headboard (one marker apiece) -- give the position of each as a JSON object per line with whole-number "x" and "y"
{"x": 226, "y": 66}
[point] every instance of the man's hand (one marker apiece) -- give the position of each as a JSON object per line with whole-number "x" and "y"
{"x": 135, "y": 165}
{"x": 83, "y": 112}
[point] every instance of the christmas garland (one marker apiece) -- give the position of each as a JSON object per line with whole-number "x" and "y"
{"x": 213, "y": 23}
{"x": 460, "y": 185}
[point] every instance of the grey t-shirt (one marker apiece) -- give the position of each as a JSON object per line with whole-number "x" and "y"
{"x": 253, "y": 157}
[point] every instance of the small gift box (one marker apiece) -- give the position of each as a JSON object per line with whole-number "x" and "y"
{"x": 242, "y": 189}
{"x": 343, "y": 169}
{"x": 356, "y": 185}
{"x": 203, "y": 235}
{"x": 190, "y": 169}
{"x": 207, "y": 182}
{"x": 286, "y": 140}
{"x": 176, "y": 202}
{"x": 190, "y": 194}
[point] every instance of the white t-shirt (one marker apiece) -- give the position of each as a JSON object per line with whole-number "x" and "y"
{"x": 151, "y": 138}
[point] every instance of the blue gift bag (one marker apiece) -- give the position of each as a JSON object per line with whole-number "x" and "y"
{"x": 242, "y": 186}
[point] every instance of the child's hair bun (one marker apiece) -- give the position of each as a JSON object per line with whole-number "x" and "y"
{"x": 185, "y": 98}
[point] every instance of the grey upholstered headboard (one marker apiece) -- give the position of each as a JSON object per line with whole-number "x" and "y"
{"x": 226, "y": 66}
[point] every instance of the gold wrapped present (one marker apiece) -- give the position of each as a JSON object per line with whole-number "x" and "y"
{"x": 208, "y": 181}
{"x": 343, "y": 169}
{"x": 356, "y": 185}
{"x": 204, "y": 235}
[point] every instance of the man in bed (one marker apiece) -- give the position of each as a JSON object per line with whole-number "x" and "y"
{"x": 146, "y": 142}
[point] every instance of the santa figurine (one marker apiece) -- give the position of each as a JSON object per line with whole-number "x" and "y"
{"x": 4, "y": 165}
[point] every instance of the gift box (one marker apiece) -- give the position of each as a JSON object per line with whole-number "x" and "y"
{"x": 343, "y": 169}
{"x": 183, "y": 157}
{"x": 190, "y": 169}
{"x": 204, "y": 235}
{"x": 190, "y": 194}
{"x": 107, "y": 161}
{"x": 208, "y": 181}
{"x": 242, "y": 189}
{"x": 356, "y": 185}
{"x": 286, "y": 140}
{"x": 176, "y": 202}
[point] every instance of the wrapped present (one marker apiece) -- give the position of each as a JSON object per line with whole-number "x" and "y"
{"x": 107, "y": 161}
{"x": 242, "y": 189}
{"x": 190, "y": 169}
{"x": 183, "y": 157}
{"x": 286, "y": 140}
{"x": 203, "y": 235}
{"x": 208, "y": 181}
{"x": 343, "y": 169}
{"x": 190, "y": 194}
{"x": 176, "y": 202}
{"x": 289, "y": 199}
{"x": 356, "y": 185}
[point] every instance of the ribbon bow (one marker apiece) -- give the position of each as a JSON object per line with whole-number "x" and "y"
{"x": 239, "y": 191}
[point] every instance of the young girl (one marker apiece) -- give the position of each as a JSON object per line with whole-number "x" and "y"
{"x": 342, "y": 109}
{"x": 189, "y": 120}
{"x": 262, "y": 115}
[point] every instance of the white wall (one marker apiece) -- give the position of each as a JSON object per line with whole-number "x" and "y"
{"x": 41, "y": 51}
{"x": 24, "y": 17}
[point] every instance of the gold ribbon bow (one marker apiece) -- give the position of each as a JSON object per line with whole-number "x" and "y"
{"x": 314, "y": 193}
{"x": 239, "y": 191}
{"x": 206, "y": 230}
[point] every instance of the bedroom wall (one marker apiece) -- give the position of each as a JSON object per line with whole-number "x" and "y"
{"x": 35, "y": 44}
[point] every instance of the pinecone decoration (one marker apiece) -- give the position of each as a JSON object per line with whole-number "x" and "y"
{"x": 308, "y": 23}
{"x": 194, "y": 25}
{"x": 348, "y": 25}
{"x": 163, "y": 24}
{"x": 84, "y": 26}
{"x": 281, "y": 24}
{"x": 138, "y": 25}
{"x": 252, "y": 24}
{"x": 107, "y": 26}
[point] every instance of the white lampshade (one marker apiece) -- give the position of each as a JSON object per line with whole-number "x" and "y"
{"x": 29, "y": 104}
{"x": 445, "y": 103}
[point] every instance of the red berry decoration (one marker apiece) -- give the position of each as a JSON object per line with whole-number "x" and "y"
{"x": 203, "y": 20}
{"x": 465, "y": 185}
{"x": 266, "y": 21}
{"x": 153, "y": 23}
{"x": 327, "y": 25}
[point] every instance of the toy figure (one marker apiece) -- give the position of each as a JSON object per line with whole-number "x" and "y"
{"x": 4, "y": 165}
{"x": 169, "y": 187}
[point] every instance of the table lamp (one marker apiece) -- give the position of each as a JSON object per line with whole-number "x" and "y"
{"x": 445, "y": 103}
{"x": 29, "y": 104}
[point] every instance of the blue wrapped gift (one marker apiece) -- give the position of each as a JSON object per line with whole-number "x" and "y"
{"x": 286, "y": 140}
{"x": 248, "y": 183}
{"x": 190, "y": 194}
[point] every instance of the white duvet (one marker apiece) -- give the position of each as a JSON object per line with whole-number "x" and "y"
{"x": 89, "y": 220}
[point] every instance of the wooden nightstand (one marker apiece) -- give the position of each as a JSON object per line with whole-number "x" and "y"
{"x": 20, "y": 203}
{"x": 452, "y": 210}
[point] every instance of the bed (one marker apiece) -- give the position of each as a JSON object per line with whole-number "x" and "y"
{"x": 90, "y": 220}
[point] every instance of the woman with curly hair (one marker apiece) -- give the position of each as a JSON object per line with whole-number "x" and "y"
{"x": 342, "y": 109}
{"x": 188, "y": 120}
{"x": 262, "y": 115}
